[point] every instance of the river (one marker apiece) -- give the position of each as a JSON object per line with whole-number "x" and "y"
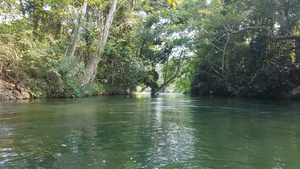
{"x": 143, "y": 131}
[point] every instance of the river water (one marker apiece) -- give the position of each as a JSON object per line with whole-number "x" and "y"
{"x": 143, "y": 131}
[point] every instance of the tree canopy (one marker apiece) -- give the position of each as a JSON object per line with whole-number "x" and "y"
{"x": 60, "y": 48}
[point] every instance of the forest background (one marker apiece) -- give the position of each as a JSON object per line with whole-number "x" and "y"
{"x": 75, "y": 48}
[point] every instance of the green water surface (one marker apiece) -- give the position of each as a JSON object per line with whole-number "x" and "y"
{"x": 143, "y": 131}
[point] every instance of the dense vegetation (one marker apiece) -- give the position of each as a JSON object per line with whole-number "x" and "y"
{"x": 73, "y": 48}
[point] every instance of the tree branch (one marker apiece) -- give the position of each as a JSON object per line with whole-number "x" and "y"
{"x": 224, "y": 52}
{"x": 290, "y": 35}
{"x": 212, "y": 64}
{"x": 219, "y": 48}
{"x": 173, "y": 77}
{"x": 122, "y": 3}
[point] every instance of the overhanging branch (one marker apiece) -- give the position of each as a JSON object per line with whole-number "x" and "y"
{"x": 173, "y": 77}
{"x": 290, "y": 36}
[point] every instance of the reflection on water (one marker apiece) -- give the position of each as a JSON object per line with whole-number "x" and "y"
{"x": 142, "y": 131}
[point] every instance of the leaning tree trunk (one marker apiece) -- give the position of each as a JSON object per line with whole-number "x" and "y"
{"x": 92, "y": 65}
{"x": 168, "y": 81}
{"x": 71, "y": 49}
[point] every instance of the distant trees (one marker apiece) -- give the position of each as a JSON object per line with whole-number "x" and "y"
{"x": 61, "y": 48}
{"x": 248, "y": 48}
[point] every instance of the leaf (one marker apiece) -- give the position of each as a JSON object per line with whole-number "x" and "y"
{"x": 175, "y": 5}
{"x": 169, "y": 1}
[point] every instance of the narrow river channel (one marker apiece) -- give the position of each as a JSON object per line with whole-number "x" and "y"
{"x": 143, "y": 131}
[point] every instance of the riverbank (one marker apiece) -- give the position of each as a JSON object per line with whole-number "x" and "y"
{"x": 10, "y": 91}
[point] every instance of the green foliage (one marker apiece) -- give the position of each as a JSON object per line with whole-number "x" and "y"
{"x": 247, "y": 63}
{"x": 25, "y": 59}
{"x": 38, "y": 65}
{"x": 33, "y": 48}
{"x": 221, "y": 57}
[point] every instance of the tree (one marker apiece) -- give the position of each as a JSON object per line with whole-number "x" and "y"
{"x": 170, "y": 79}
{"x": 160, "y": 33}
{"x": 246, "y": 40}
{"x": 92, "y": 64}
{"x": 75, "y": 37}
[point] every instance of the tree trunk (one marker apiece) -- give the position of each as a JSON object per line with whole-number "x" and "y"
{"x": 37, "y": 25}
{"x": 224, "y": 53}
{"x": 297, "y": 50}
{"x": 37, "y": 21}
{"x": 71, "y": 49}
{"x": 166, "y": 72}
{"x": 92, "y": 65}
{"x": 168, "y": 81}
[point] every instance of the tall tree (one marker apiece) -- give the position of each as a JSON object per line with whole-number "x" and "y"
{"x": 92, "y": 64}
{"x": 75, "y": 37}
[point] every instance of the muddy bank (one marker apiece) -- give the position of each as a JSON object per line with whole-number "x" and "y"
{"x": 10, "y": 91}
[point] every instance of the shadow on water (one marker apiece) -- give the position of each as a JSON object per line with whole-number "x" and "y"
{"x": 249, "y": 133}
{"x": 142, "y": 131}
